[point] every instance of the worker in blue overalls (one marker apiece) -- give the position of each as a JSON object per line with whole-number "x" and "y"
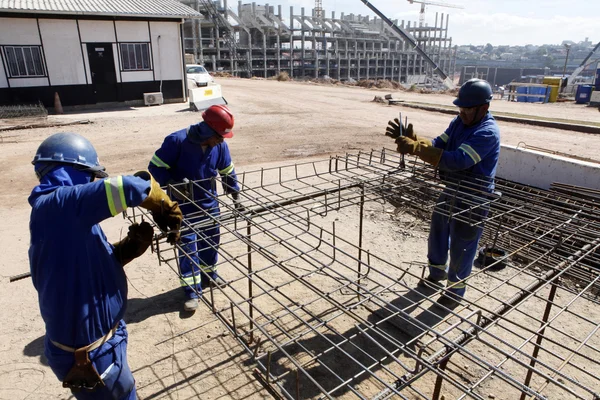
{"x": 78, "y": 274}
{"x": 466, "y": 155}
{"x": 198, "y": 154}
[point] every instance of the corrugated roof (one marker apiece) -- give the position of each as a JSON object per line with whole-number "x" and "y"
{"x": 126, "y": 8}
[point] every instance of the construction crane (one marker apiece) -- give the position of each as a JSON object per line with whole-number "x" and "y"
{"x": 319, "y": 12}
{"x": 582, "y": 66}
{"x": 430, "y": 3}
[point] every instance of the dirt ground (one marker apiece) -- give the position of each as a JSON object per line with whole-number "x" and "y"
{"x": 276, "y": 123}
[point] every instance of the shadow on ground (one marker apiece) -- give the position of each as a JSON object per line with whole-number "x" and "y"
{"x": 348, "y": 354}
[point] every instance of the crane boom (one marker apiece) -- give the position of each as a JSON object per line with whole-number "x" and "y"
{"x": 435, "y": 3}
{"x": 404, "y": 35}
{"x": 581, "y": 67}
{"x": 430, "y": 3}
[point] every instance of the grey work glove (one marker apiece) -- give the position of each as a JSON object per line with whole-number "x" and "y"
{"x": 181, "y": 192}
{"x": 237, "y": 203}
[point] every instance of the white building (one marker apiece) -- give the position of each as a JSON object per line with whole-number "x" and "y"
{"x": 91, "y": 52}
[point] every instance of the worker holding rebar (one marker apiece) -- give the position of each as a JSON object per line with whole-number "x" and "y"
{"x": 196, "y": 155}
{"x": 466, "y": 155}
{"x": 77, "y": 272}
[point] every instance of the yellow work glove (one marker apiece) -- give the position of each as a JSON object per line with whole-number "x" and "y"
{"x": 165, "y": 212}
{"x": 424, "y": 151}
{"x": 393, "y": 131}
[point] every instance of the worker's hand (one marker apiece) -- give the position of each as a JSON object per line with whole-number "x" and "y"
{"x": 169, "y": 220}
{"x": 395, "y": 129}
{"x": 141, "y": 233}
{"x": 409, "y": 133}
{"x": 139, "y": 238}
{"x": 165, "y": 212}
{"x": 239, "y": 207}
{"x": 407, "y": 145}
{"x": 181, "y": 192}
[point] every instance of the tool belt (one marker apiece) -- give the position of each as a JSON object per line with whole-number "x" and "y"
{"x": 83, "y": 375}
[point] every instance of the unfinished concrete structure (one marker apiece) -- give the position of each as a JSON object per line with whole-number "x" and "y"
{"x": 257, "y": 42}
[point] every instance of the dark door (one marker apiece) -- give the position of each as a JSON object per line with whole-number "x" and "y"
{"x": 102, "y": 67}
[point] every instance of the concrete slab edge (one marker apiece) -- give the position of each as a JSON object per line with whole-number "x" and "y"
{"x": 548, "y": 124}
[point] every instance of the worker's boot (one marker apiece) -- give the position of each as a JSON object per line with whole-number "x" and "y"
{"x": 191, "y": 304}
{"x": 435, "y": 283}
{"x": 214, "y": 281}
{"x": 449, "y": 300}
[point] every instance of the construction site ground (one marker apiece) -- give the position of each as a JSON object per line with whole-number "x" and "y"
{"x": 276, "y": 123}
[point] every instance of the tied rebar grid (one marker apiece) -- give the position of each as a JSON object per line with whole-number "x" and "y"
{"x": 322, "y": 316}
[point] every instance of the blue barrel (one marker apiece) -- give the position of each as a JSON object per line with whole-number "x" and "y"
{"x": 584, "y": 92}
{"x": 597, "y": 79}
{"x": 522, "y": 90}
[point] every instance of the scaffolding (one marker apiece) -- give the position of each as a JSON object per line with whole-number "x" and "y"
{"x": 256, "y": 41}
{"x": 322, "y": 316}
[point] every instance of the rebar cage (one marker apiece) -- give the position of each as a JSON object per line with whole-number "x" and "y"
{"x": 322, "y": 316}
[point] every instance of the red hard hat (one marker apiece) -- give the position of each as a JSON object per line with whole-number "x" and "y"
{"x": 220, "y": 119}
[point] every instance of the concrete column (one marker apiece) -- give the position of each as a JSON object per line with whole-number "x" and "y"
{"x": 316, "y": 56}
{"x": 447, "y": 48}
{"x": 291, "y": 42}
{"x": 200, "y": 47}
{"x": 415, "y": 64}
{"x": 303, "y": 57}
{"x": 250, "y": 44}
{"x": 404, "y": 42}
{"x": 264, "y": 36}
{"x": 279, "y": 52}
{"x": 232, "y": 65}
{"x": 440, "y": 41}
{"x": 400, "y": 69}
{"x": 348, "y": 61}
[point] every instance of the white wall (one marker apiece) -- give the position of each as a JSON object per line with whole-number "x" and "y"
{"x": 166, "y": 51}
{"x": 538, "y": 169}
{"x": 64, "y": 60}
{"x": 28, "y": 82}
{"x": 137, "y": 76}
{"x": 115, "y": 48}
{"x": 3, "y": 79}
{"x": 19, "y": 31}
{"x": 97, "y": 31}
{"x": 132, "y": 31}
{"x": 22, "y": 31}
{"x": 86, "y": 64}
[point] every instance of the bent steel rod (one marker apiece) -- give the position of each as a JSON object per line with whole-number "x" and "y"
{"x": 470, "y": 333}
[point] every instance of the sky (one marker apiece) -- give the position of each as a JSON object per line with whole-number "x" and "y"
{"x": 499, "y": 22}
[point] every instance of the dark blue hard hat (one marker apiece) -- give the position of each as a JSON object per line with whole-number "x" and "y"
{"x": 474, "y": 92}
{"x": 67, "y": 149}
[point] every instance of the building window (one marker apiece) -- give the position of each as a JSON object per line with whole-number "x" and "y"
{"x": 135, "y": 56}
{"x": 24, "y": 61}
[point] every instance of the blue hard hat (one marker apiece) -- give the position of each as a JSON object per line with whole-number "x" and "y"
{"x": 67, "y": 149}
{"x": 474, "y": 92}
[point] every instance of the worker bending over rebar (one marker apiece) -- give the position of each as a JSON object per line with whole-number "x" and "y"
{"x": 196, "y": 155}
{"x": 466, "y": 155}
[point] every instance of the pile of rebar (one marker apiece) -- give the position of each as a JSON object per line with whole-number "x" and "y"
{"x": 323, "y": 317}
{"x": 23, "y": 110}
